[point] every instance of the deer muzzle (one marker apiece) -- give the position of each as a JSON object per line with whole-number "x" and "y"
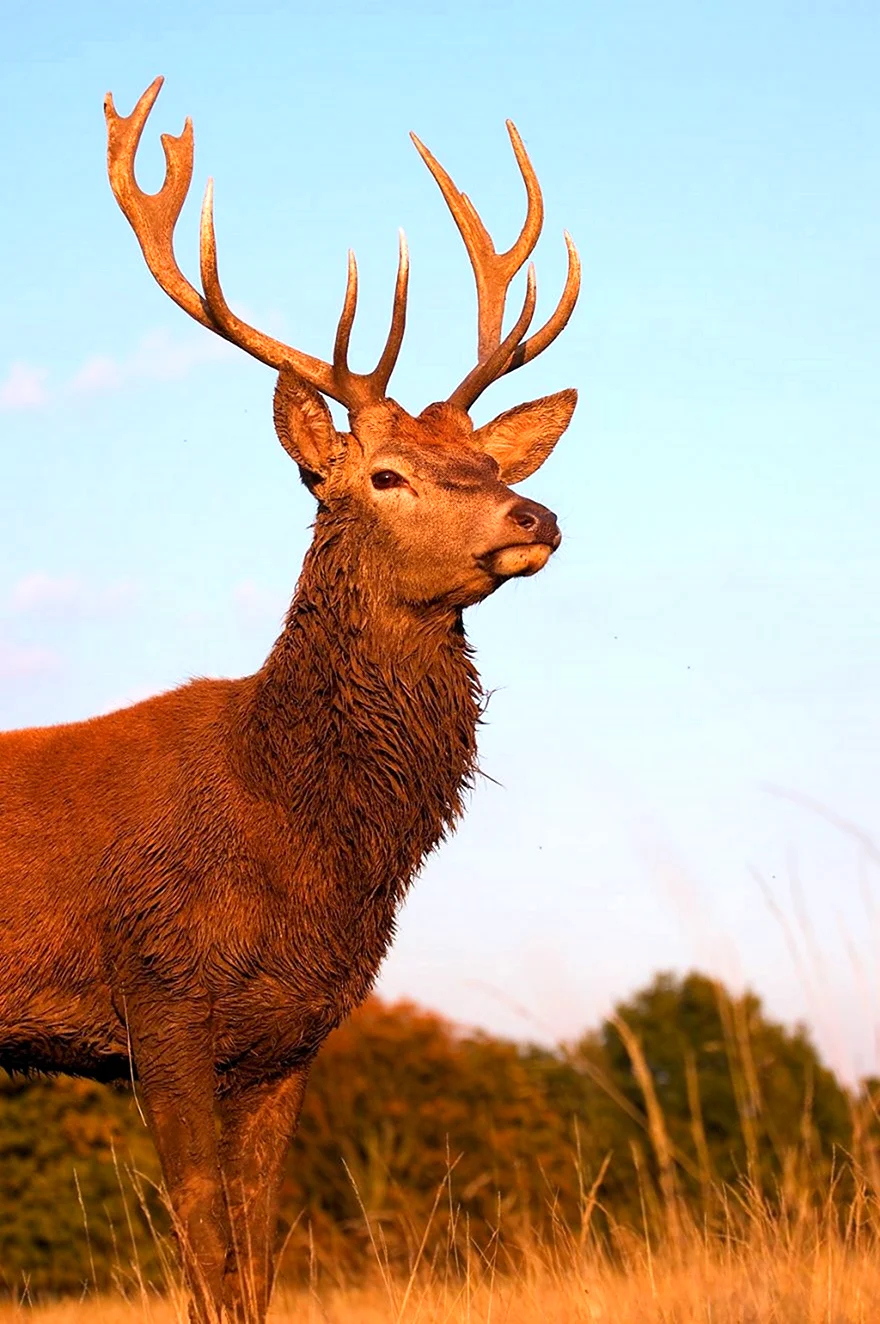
{"x": 537, "y": 540}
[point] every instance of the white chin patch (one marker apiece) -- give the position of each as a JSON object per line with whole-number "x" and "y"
{"x": 511, "y": 561}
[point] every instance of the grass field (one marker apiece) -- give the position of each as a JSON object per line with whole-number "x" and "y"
{"x": 797, "y": 1265}
{"x": 749, "y": 1285}
{"x": 801, "y": 1249}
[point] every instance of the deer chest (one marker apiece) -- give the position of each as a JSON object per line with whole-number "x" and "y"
{"x": 276, "y": 1006}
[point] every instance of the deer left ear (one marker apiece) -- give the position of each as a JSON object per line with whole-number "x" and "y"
{"x": 522, "y": 438}
{"x": 305, "y": 429}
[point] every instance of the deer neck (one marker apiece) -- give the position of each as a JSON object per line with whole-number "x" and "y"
{"x": 361, "y": 724}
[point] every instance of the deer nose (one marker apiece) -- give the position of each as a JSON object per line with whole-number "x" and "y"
{"x": 536, "y": 520}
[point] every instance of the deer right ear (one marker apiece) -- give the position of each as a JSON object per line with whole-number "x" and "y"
{"x": 522, "y": 438}
{"x": 305, "y": 429}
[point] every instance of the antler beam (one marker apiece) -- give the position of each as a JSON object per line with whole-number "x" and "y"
{"x": 153, "y": 217}
{"x": 494, "y": 272}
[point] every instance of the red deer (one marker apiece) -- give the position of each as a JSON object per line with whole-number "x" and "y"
{"x": 195, "y": 890}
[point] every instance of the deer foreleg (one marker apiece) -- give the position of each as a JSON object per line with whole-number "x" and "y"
{"x": 257, "y": 1124}
{"x": 173, "y": 1054}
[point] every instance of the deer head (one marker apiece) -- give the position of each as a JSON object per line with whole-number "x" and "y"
{"x": 429, "y": 494}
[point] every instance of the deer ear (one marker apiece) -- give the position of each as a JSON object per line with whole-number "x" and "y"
{"x": 522, "y": 438}
{"x": 305, "y": 428}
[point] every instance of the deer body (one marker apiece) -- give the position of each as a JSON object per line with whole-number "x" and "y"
{"x": 195, "y": 890}
{"x": 206, "y": 839}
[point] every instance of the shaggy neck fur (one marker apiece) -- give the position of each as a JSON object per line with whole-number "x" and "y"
{"x": 361, "y": 725}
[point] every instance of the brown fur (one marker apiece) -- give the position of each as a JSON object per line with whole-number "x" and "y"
{"x": 196, "y": 890}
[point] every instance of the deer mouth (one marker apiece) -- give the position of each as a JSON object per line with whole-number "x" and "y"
{"x": 519, "y": 560}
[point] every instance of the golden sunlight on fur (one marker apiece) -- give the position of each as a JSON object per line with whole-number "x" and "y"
{"x": 195, "y": 891}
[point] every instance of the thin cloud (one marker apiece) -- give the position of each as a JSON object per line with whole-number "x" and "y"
{"x": 19, "y": 662}
{"x": 157, "y": 357}
{"x": 24, "y": 387}
{"x": 99, "y": 373}
{"x": 38, "y": 593}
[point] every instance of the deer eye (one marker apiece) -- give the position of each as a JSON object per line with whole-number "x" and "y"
{"x": 386, "y": 478}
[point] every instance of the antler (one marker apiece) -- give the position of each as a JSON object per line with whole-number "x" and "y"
{"x": 153, "y": 217}
{"x": 493, "y": 273}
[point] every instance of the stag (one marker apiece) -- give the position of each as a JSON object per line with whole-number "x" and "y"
{"x": 195, "y": 890}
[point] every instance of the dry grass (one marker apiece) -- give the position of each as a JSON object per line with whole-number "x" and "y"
{"x": 799, "y": 1256}
{"x": 745, "y": 1285}
{"x": 804, "y": 1266}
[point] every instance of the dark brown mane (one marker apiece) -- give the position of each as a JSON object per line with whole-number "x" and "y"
{"x": 361, "y": 723}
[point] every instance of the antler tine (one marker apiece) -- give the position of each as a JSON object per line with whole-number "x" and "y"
{"x": 346, "y": 322}
{"x": 352, "y": 389}
{"x": 493, "y": 271}
{"x": 272, "y": 352}
{"x": 538, "y": 342}
{"x": 378, "y": 379}
{"x": 493, "y": 367}
{"x": 534, "y": 222}
{"x": 376, "y": 382}
{"x": 153, "y": 216}
{"x": 384, "y": 368}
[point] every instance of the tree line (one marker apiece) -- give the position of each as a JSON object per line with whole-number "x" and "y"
{"x": 418, "y": 1139}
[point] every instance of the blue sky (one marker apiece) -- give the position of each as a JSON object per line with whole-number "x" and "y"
{"x": 709, "y": 630}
